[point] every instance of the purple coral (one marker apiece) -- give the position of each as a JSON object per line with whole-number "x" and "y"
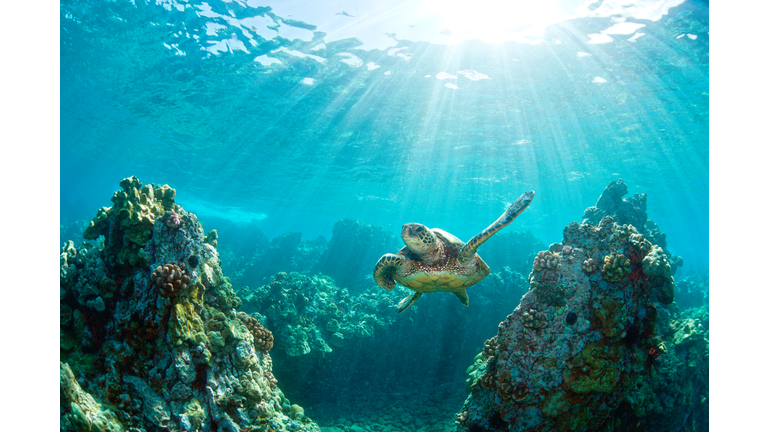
{"x": 170, "y": 280}
{"x": 172, "y": 219}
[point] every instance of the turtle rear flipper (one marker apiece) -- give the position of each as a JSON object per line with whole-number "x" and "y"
{"x": 408, "y": 301}
{"x": 468, "y": 251}
{"x": 462, "y": 295}
{"x": 385, "y": 268}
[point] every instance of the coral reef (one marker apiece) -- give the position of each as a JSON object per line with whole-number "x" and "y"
{"x": 532, "y": 319}
{"x": 170, "y": 279}
{"x": 675, "y": 396}
{"x": 328, "y": 340}
{"x": 581, "y": 341}
{"x": 80, "y": 411}
{"x": 150, "y": 335}
{"x": 546, "y": 260}
{"x": 692, "y": 290}
{"x": 630, "y": 211}
{"x": 589, "y": 266}
{"x": 615, "y": 267}
{"x": 313, "y": 314}
{"x": 128, "y": 224}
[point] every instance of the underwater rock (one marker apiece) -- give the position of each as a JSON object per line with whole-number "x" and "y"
{"x": 692, "y": 291}
{"x": 675, "y": 396}
{"x": 128, "y": 224}
{"x": 592, "y": 350}
{"x": 159, "y": 341}
{"x": 576, "y": 343}
{"x": 630, "y": 211}
{"x": 79, "y": 410}
{"x": 352, "y": 251}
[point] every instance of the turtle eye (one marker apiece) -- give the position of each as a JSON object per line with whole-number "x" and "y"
{"x": 418, "y": 229}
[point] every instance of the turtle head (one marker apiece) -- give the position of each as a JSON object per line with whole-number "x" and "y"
{"x": 418, "y": 238}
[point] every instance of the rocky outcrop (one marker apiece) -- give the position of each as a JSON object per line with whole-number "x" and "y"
{"x": 151, "y": 338}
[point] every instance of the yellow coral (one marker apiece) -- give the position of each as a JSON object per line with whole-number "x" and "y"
{"x": 186, "y": 325}
{"x": 589, "y": 266}
{"x": 659, "y": 274}
{"x": 639, "y": 245}
{"x": 134, "y": 212}
{"x": 607, "y": 316}
{"x": 616, "y": 267}
{"x": 85, "y": 413}
{"x": 546, "y": 260}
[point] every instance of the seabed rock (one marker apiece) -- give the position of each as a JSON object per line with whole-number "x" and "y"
{"x": 590, "y": 350}
{"x": 163, "y": 352}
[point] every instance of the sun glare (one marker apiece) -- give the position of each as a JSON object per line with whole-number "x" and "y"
{"x": 493, "y": 20}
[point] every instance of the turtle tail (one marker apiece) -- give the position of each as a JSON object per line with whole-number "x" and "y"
{"x": 385, "y": 268}
{"x": 513, "y": 211}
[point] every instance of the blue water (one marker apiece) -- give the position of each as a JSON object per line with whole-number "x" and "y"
{"x": 171, "y": 92}
{"x": 292, "y": 115}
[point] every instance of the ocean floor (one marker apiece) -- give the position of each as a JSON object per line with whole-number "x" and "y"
{"x": 413, "y": 411}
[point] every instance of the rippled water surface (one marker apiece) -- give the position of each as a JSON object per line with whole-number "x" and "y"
{"x": 300, "y": 113}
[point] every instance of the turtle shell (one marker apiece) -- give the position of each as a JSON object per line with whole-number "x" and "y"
{"x": 445, "y": 274}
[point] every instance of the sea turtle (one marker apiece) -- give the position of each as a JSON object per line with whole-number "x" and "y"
{"x": 436, "y": 261}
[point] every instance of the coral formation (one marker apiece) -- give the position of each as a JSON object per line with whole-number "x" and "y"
{"x": 546, "y": 261}
{"x": 571, "y": 373}
{"x": 630, "y": 212}
{"x": 589, "y": 266}
{"x": 580, "y": 351}
{"x": 310, "y": 313}
{"x": 130, "y": 219}
{"x": 262, "y": 337}
{"x": 170, "y": 280}
{"x": 532, "y": 319}
{"x": 172, "y": 219}
{"x": 616, "y": 267}
{"x": 675, "y": 396}
{"x": 150, "y": 335}
{"x": 610, "y": 355}
{"x": 80, "y": 411}
{"x": 659, "y": 274}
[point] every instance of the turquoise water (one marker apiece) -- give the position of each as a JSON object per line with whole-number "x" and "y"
{"x": 243, "y": 140}
{"x": 293, "y": 115}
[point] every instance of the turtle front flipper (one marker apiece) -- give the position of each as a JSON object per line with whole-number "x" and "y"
{"x": 385, "y": 268}
{"x": 408, "y": 301}
{"x": 468, "y": 251}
